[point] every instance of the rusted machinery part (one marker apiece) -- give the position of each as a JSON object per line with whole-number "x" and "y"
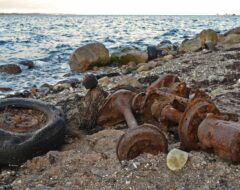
{"x": 194, "y": 114}
{"x": 220, "y": 136}
{"x": 154, "y": 104}
{"x": 201, "y": 94}
{"x": 173, "y": 97}
{"x": 159, "y": 95}
{"x": 177, "y": 88}
{"x": 143, "y": 139}
{"x": 169, "y": 113}
{"x": 111, "y": 112}
{"x": 137, "y": 101}
{"x": 163, "y": 81}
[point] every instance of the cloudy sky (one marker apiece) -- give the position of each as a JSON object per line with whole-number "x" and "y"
{"x": 159, "y": 7}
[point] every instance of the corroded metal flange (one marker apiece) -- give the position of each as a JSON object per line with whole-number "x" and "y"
{"x": 145, "y": 138}
{"x": 194, "y": 114}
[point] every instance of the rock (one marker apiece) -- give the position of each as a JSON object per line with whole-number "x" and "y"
{"x": 176, "y": 159}
{"x": 61, "y": 87}
{"x": 126, "y": 70}
{"x": 104, "y": 81}
{"x": 88, "y": 56}
{"x": 132, "y": 65}
{"x": 27, "y": 63}
{"x": 144, "y": 67}
{"x": 210, "y": 45}
{"x": 90, "y": 81}
{"x": 233, "y": 31}
{"x": 207, "y": 36}
{"x": 231, "y": 39}
{"x": 127, "y": 80}
{"x": 129, "y": 55}
{"x": 10, "y": 69}
{"x": 46, "y": 85}
{"x": 166, "y": 47}
{"x": 191, "y": 45}
{"x": 3, "y": 89}
{"x": 43, "y": 91}
{"x": 72, "y": 81}
{"x": 168, "y": 57}
{"x": 152, "y": 52}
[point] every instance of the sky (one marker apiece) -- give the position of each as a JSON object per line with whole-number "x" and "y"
{"x": 122, "y": 7}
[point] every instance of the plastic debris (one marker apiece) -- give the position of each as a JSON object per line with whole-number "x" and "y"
{"x": 176, "y": 159}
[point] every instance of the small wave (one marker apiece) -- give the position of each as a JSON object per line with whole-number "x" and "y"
{"x": 63, "y": 46}
{"x": 109, "y": 40}
{"x": 3, "y": 42}
{"x": 171, "y": 32}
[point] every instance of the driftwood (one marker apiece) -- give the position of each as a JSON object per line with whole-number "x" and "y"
{"x": 88, "y": 108}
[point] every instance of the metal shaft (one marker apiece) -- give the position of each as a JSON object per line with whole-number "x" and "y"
{"x": 125, "y": 109}
{"x": 171, "y": 114}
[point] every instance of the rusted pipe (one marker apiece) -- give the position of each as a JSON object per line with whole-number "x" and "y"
{"x": 171, "y": 114}
{"x": 125, "y": 109}
{"x": 221, "y": 137}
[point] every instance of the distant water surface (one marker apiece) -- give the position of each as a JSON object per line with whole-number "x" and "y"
{"x": 49, "y": 40}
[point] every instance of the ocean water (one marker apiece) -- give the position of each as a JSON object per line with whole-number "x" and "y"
{"x": 48, "y": 41}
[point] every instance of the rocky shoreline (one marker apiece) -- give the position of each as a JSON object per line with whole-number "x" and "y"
{"x": 87, "y": 160}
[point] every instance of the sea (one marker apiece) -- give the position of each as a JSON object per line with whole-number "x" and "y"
{"x": 48, "y": 40}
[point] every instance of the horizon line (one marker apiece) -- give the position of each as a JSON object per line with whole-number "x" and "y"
{"x": 75, "y": 14}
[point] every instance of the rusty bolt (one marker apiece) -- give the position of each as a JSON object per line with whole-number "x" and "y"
{"x": 138, "y": 139}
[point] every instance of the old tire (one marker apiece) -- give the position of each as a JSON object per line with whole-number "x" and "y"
{"x": 16, "y": 148}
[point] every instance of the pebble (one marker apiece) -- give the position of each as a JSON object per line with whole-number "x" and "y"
{"x": 144, "y": 67}
{"x": 132, "y": 65}
{"x": 4, "y": 89}
{"x": 127, "y": 80}
{"x": 61, "y": 87}
{"x": 104, "y": 81}
{"x": 168, "y": 57}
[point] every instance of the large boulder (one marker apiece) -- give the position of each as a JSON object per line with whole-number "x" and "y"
{"x": 88, "y": 56}
{"x": 191, "y": 45}
{"x": 205, "y": 39}
{"x": 166, "y": 47}
{"x": 129, "y": 55}
{"x": 10, "y": 69}
{"x": 232, "y": 39}
{"x": 208, "y": 36}
{"x": 233, "y": 31}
